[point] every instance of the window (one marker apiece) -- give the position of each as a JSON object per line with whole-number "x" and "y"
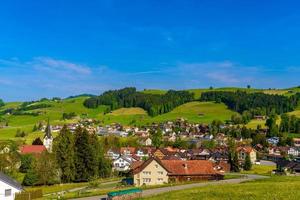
{"x": 160, "y": 180}
{"x": 8, "y": 192}
{"x": 146, "y": 180}
{"x": 146, "y": 173}
{"x": 156, "y": 166}
{"x": 160, "y": 173}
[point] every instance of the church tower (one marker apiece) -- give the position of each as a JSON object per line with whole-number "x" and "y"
{"x": 48, "y": 138}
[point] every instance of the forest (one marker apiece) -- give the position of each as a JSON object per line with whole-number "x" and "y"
{"x": 154, "y": 104}
{"x": 242, "y": 101}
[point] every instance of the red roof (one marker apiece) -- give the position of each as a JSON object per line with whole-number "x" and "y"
{"x": 32, "y": 149}
{"x": 179, "y": 167}
{"x": 189, "y": 167}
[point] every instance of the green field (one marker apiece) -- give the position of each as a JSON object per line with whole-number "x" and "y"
{"x": 198, "y": 112}
{"x": 275, "y": 188}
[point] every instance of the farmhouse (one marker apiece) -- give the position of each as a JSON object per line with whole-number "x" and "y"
{"x": 8, "y": 187}
{"x": 155, "y": 171}
{"x": 247, "y": 150}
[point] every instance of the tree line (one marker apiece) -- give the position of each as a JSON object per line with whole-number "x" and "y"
{"x": 255, "y": 103}
{"x": 154, "y": 104}
{"x": 76, "y": 157}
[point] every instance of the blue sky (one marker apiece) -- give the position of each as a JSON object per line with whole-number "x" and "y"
{"x": 60, "y": 48}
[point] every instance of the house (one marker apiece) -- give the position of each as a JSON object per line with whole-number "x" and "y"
{"x": 142, "y": 153}
{"x": 199, "y": 154}
{"x": 246, "y": 150}
{"x": 8, "y": 187}
{"x": 32, "y": 149}
{"x": 127, "y": 151}
{"x": 113, "y": 154}
{"x": 155, "y": 171}
{"x": 288, "y": 166}
{"x": 273, "y": 140}
{"x": 292, "y": 151}
{"x": 146, "y": 141}
{"x": 123, "y": 163}
{"x": 48, "y": 138}
{"x": 296, "y": 142}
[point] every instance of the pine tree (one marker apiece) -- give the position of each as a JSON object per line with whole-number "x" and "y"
{"x": 82, "y": 156}
{"x": 37, "y": 141}
{"x": 248, "y": 164}
{"x": 64, "y": 154}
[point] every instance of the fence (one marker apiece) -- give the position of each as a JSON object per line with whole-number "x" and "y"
{"x": 29, "y": 195}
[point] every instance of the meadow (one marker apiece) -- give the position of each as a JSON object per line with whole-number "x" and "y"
{"x": 275, "y": 188}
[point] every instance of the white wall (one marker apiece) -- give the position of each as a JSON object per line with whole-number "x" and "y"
{"x": 3, "y": 187}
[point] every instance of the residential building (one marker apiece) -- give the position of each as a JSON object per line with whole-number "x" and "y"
{"x": 155, "y": 171}
{"x": 296, "y": 142}
{"x": 8, "y": 187}
{"x": 247, "y": 150}
{"x": 123, "y": 163}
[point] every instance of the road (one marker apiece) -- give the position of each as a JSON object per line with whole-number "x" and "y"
{"x": 156, "y": 191}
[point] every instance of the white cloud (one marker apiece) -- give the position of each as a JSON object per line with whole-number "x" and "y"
{"x": 54, "y": 64}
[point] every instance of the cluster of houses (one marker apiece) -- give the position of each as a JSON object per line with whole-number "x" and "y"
{"x": 151, "y": 166}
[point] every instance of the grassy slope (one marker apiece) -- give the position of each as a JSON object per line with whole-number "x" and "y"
{"x": 276, "y": 188}
{"x": 191, "y": 111}
{"x": 54, "y": 113}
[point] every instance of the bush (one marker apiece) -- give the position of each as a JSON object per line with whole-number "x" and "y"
{"x": 31, "y": 178}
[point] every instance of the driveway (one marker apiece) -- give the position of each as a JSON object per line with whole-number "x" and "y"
{"x": 156, "y": 191}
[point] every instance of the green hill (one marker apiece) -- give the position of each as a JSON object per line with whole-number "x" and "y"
{"x": 199, "y": 112}
{"x": 53, "y": 113}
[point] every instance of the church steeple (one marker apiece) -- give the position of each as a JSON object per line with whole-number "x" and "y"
{"x": 48, "y": 133}
{"x": 48, "y": 139}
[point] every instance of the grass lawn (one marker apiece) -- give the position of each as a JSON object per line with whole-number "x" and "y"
{"x": 260, "y": 170}
{"x": 275, "y": 188}
{"x": 68, "y": 186}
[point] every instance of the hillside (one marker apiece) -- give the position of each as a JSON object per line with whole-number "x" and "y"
{"x": 199, "y": 112}
{"x": 53, "y": 113}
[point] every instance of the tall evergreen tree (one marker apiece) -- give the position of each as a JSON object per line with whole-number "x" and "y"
{"x": 64, "y": 153}
{"x": 85, "y": 156}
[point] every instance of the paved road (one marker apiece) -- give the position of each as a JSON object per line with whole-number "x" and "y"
{"x": 156, "y": 191}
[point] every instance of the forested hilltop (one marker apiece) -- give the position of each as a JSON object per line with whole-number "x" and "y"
{"x": 154, "y": 104}
{"x": 256, "y": 103}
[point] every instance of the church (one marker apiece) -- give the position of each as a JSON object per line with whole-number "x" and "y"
{"x": 48, "y": 138}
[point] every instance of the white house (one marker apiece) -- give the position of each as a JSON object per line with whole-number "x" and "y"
{"x": 123, "y": 163}
{"x": 293, "y": 151}
{"x": 8, "y": 187}
{"x": 113, "y": 154}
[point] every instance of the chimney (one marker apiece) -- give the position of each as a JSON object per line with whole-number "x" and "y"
{"x": 185, "y": 165}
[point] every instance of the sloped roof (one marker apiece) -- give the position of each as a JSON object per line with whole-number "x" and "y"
{"x": 32, "y": 149}
{"x": 246, "y": 149}
{"x": 6, "y": 179}
{"x": 178, "y": 167}
{"x": 189, "y": 167}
